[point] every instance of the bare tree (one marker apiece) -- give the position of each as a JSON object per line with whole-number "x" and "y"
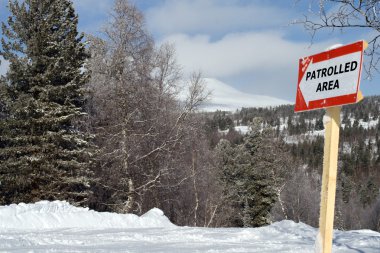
{"x": 299, "y": 197}
{"x": 142, "y": 127}
{"x": 347, "y": 14}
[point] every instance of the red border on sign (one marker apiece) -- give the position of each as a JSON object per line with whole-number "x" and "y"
{"x": 334, "y": 101}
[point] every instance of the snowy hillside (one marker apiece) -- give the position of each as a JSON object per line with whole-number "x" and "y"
{"x": 59, "y": 227}
{"x": 227, "y": 98}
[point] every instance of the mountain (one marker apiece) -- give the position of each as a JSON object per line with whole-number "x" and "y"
{"x": 226, "y": 98}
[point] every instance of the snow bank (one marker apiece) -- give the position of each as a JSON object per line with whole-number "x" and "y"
{"x": 60, "y": 214}
{"x": 59, "y": 227}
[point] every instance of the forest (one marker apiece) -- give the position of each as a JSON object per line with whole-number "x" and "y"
{"x": 301, "y": 134}
{"x": 102, "y": 122}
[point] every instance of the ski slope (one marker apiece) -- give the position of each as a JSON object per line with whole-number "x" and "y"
{"x": 60, "y": 227}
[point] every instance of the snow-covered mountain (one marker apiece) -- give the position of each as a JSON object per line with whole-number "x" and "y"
{"x": 59, "y": 227}
{"x": 226, "y": 98}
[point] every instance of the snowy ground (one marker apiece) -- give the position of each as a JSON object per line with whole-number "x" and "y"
{"x": 59, "y": 227}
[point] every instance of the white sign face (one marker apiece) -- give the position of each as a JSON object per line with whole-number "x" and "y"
{"x": 331, "y": 78}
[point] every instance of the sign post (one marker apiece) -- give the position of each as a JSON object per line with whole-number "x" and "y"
{"x": 329, "y": 80}
{"x": 328, "y": 189}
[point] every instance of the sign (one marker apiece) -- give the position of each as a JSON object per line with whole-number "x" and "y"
{"x": 330, "y": 78}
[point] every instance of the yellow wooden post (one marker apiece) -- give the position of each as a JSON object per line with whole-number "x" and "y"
{"x": 330, "y": 164}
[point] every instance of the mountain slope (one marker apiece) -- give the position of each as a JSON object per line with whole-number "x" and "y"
{"x": 227, "y": 98}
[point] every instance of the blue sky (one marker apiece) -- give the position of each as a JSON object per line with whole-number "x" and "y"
{"x": 247, "y": 44}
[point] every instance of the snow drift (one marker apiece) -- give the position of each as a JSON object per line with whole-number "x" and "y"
{"x": 60, "y": 214}
{"x": 59, "y": 227}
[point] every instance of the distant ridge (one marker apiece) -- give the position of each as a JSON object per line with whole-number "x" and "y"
{"x": 226, "y": 98}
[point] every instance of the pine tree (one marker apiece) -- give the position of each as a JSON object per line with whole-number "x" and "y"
{"x": 44, "y": 152}
{"x": 248, "y": 178}
{"x": 259, "y": 168}
{"x": 319, "y": 124}
{"x": 232, "y": 179}
{"x": 368, "y": 192}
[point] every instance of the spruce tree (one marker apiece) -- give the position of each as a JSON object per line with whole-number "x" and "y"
{"x": 259, "y": 168}
{"x": 232, "y": 180}
{"x": 247, "y": 175}
{"x": 43, "y": 152}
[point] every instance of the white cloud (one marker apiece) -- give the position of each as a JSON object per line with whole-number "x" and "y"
{"x": 246, "y": 44}
{"x": 240, "y": 53}
{"x": 213, "y": 16}
{"x": 263, "y": 63}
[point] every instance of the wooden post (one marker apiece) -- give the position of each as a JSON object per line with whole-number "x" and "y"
{"x": 330, "y": 164}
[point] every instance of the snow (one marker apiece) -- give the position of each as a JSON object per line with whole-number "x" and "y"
{"x": 370, "y": 124}
{"x": 227, "y": 98}
{"x": 326, "y": 119}
{"x": 242, "y": 129}
{"x": 365, "y": 125}
{"x": 309, "y": 135}
{"x": 59, "y": 227}
{"x": 4, "y": 66}
{"x": 333, "y": 47}
{"x": 60, "y": 214}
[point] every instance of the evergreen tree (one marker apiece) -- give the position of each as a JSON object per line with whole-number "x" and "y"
{"x": 232, "y": 180}
{"x": 248, "y": 178}
{"x": 319, "y": 124}
{"x": 290, "y": 126}
{"x": 259, "y": 167}
{"x": 3, "y": 102}
{"x": 43, "y": 151}
{"x": 368, "y": 192}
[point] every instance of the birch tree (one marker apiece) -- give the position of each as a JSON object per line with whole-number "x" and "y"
{"x": 137, "y": 115}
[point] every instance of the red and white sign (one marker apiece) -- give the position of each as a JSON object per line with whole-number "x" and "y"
{"x": 330, "y": 78}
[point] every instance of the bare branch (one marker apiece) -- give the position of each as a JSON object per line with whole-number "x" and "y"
{"x": 346, "y": 14}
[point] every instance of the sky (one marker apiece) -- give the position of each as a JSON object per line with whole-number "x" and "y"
{"x": 250, "y": 45}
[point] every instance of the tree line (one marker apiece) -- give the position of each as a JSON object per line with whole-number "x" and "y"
{"x": 358, "y": 167}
